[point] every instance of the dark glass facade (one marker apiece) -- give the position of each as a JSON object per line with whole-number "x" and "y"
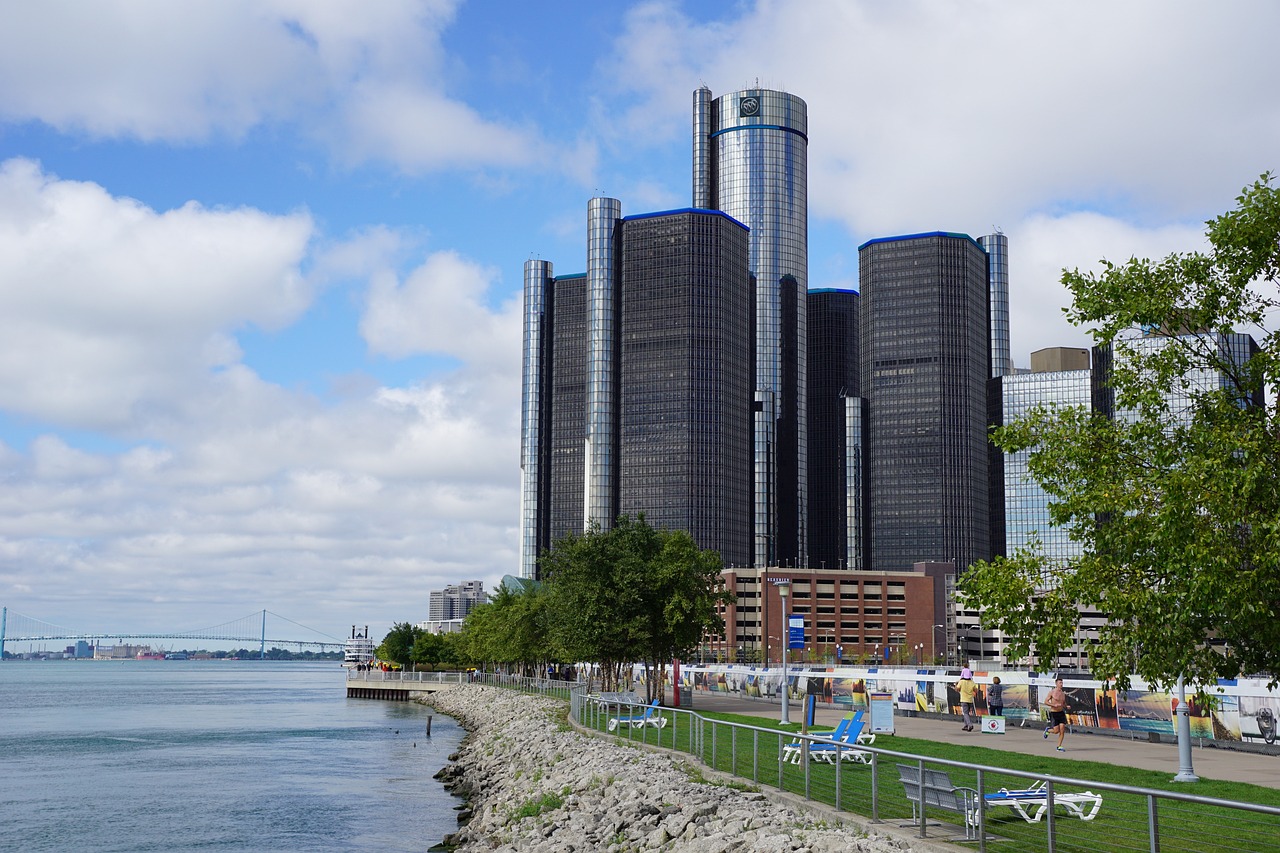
{"x": 833, "y": 383}
{"x": 686, "y": 377}
{"x": 568, "y": 415}
{"x": 925, "y": 363}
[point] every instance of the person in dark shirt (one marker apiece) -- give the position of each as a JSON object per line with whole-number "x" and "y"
{"x": 995, "y": 697}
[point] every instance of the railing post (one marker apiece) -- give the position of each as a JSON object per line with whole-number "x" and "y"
{"x": 781, "y": 763}
{"x": 1153, "y": 824}
{"x": 920, "y": 792}
{"x": 875, "y": 788}
{"x": 1051, "y": 824}
{"x": 839, "y": 758}
{"x": 981, "y": 805}
{"x": 807, "y": 762}
{"x": 755, "y": 755}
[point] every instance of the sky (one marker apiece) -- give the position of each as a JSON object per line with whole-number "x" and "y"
{"x": 261, "y": 260}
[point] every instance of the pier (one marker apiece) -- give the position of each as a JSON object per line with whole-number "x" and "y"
{"x": 399, "y": 686}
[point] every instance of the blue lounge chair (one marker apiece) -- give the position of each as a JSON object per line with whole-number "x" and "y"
{"x": 648, "y": 718}
{"x": 828, "y": 749}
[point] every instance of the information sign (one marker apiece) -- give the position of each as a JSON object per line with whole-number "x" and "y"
{"x": 795, "y": 632}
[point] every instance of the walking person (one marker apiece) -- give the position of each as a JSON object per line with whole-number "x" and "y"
{"x": 995, "y": 697}
{"x": 1056, "y": 702}
{"x": 966, "y": 688}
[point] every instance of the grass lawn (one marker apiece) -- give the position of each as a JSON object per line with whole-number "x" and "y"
{"x": 1122, "y": 823}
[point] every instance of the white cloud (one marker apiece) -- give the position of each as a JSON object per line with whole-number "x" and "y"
{"x": 1081, "y": 130}
{"x": 368, "y": 82}
{"x": 107, "y": 306}
{"x": 440, "y": 308}
{"x": 1041, "y": 247}
{"x": 926, "y": 117}
{"x": 118, "y": 320}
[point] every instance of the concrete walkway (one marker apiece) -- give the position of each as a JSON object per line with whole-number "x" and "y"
{"x": 1208, "y": 762}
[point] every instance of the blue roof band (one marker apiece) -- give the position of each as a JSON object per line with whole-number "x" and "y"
{"x": 798, "y": 133}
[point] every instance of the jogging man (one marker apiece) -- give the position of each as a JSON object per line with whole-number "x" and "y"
{"x": 1056, "y": 702}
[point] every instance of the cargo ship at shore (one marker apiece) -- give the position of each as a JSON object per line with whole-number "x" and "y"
{"x": 359, "y": 649}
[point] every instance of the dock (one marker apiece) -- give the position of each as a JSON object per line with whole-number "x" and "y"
{"x": 399, "y": 686}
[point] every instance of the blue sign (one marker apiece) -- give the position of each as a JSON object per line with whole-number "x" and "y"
{"x": 795, "y": 632}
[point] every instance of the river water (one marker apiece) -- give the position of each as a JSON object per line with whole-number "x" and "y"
{"x": 214, "y": 756}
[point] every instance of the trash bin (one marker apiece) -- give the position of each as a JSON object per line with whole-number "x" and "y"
{"x": 686, "y": 698}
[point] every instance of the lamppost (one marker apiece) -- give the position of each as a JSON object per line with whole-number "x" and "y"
{"x": 933, "y": 636}
{"x": 784, "y": 589}
{"x": 898, "y": 640}
{"x": 918, "y": 647}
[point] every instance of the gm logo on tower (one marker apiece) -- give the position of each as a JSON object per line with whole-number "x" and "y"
{"x": 749, "y": 106}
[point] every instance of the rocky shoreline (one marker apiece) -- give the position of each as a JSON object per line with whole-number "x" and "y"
{"x": 534, "y": 783}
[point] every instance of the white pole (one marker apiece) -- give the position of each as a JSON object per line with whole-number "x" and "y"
{"x": 783, "y": 589}
{"x": 1185, "y": 771}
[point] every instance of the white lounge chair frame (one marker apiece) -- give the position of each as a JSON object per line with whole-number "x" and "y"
{"x": 648, "y": 718}
{"x": 1031, "y": 804}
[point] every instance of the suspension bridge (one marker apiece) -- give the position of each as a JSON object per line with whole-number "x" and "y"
{"x": 17, "y": 628}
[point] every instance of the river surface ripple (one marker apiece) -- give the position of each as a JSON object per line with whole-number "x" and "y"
{"x": 214, "y": 756}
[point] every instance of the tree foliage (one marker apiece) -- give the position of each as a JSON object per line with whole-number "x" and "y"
{"x": 397, "y": 646}
{"x": 511, "y": 628}
{"x": 631, "y": 593}
{"x": 1177, "y": 503}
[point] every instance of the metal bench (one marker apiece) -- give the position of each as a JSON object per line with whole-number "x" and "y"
{"x": 936, "y": 789}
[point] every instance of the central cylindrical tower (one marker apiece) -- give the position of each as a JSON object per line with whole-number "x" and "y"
{"x": 600, "y": 487}
{"x": 750, "y": 160}
{"x": 537, "y": 282}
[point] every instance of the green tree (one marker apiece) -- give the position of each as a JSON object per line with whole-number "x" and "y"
{"x": 1176, "y": 505}
{"x": 631, "y": 594}
{"x": 397, "y": 646}
{"x": 511, "y": 628}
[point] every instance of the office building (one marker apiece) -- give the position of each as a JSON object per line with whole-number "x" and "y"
{"x": 638, "y": 383}
{"x": 1060, "y": 376}
{"x": 750, "y": 160}
{"x": 997, "y": 246}
{"x": 685, "y": 389}
{"x": 447, "y": 608}
{"x": 455, "y": 601}
{"x": 846, "y": 616}
{"x": 837, "y": 425}
{"x": 925, "y": 364}
{"x": 553, "y": 410}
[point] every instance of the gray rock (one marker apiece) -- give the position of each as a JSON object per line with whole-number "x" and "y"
{"x": 536, "y": 787}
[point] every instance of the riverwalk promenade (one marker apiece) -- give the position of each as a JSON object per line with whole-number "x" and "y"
{"x": 1209, "y": 762}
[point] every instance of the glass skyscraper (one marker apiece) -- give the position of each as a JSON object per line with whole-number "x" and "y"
{"x": 750, "y": 160}
{"x": 925, "y": 359}
{"x": 638, "y": 383}
{"x": 553, "y": 410}
{"x": 685, "y": 378}
{"x": 997, "y": 246}
{"x": 836, "y": 453}
{"x": 1026, "y": 504}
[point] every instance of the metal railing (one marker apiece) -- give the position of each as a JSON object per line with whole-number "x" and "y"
{"x": 375, "y": 676}
{"x": 1129, "y": 818}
